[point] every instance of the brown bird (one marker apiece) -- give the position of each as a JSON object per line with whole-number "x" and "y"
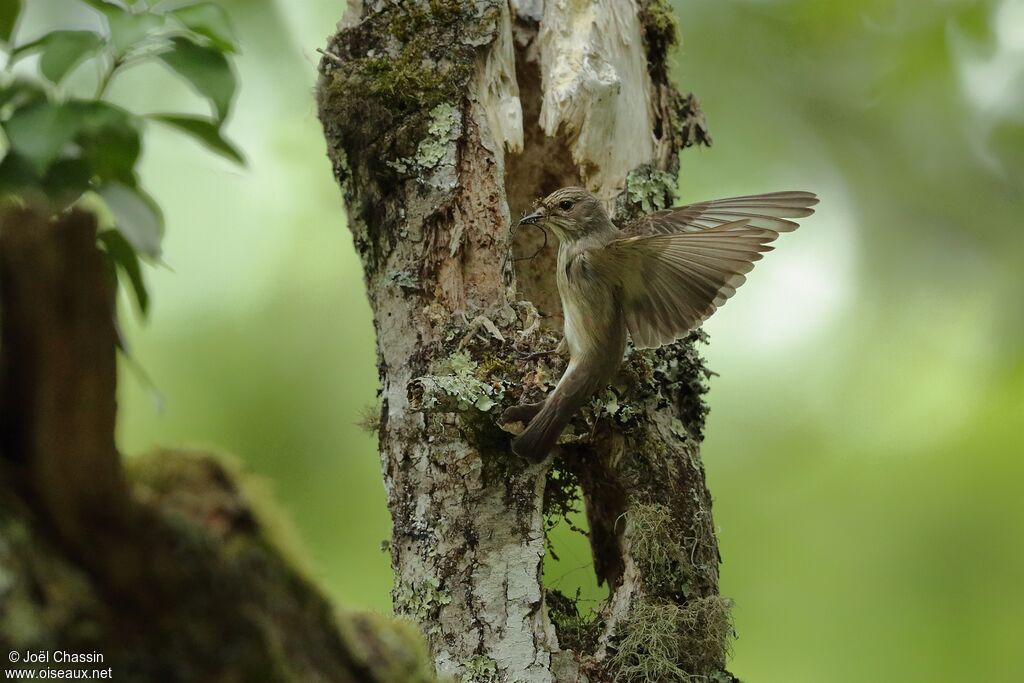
{"x": 657, "y": 278}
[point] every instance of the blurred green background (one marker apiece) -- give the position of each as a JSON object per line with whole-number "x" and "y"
{"x": 864, "y": 444}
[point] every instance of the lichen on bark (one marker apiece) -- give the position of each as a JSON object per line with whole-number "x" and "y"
{"x": 540, "y": 94}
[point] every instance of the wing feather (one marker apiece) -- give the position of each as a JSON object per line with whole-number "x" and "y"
{"x": 670, "y": 283}
{"x": 770, "y": 211}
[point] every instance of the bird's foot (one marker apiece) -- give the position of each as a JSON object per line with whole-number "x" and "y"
{"x": 522, "y": 413}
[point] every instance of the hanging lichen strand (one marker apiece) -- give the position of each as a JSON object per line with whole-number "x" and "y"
{"x": 443, "y": 120}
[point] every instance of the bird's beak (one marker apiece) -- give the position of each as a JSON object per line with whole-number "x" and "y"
{"x": 531, "y": 218}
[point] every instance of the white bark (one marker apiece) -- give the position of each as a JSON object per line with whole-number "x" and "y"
{"x": 432, "y": 177}
{"x": 597, "y": 91}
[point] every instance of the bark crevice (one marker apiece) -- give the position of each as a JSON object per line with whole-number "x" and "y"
{"x": 544, "y": 165}
{"x": 548, "y": 82}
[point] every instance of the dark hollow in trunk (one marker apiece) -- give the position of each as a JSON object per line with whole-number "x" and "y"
{"x": 418, "y": 102}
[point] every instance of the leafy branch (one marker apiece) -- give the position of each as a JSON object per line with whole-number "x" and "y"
{"x": 64, "y": 151}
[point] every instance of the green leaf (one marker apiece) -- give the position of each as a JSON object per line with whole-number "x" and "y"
{"x": 16, "y": 174}
{"x": 103, "y": 5}
{"x": 136, "y": 215}
{"x": 206, "y": 69}
{"x": 9, "y": 11}
{"x": 66, "y": 180}
{"x": 62, "y": 51}
{"x": 124, "y": 256}
{"x": 19, "y": 92}
{"x": 96, "y": 139}
{"x": 210, "y": 21}
{"x": 40, "y": 132}
{"x": 206, "y": 132}
{"x": 65, "y": 50}
{"x": 127, "y": 28}
{"x": 109, "y": 140}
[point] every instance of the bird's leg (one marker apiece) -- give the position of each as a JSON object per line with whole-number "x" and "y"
{"x": 560, "y": 350}
{"x": 521, "y": 413}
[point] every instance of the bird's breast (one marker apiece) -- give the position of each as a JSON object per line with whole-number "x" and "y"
{"x": 588, "y": 309}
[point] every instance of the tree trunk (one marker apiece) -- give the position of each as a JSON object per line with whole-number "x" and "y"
{"x": 444, "y": 120}
{"x": 160, "y": 568}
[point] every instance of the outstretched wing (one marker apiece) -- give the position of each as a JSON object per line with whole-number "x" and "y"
{"x": 769, "y": 211}
{"x": 671, "y": 283}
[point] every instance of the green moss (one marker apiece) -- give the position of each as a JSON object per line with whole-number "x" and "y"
{"x": 193, "y": 551}
{"x": 495, "y": 367}
{"x": 666, "y": 643}
{"x": 46, "y": 601}
{"x": 390, "y": 650}
{"x": 191, "y": 484}
{"x": 395, "y": 81}
{"x": 421, "y": 56}
{"x": 661, "y": 31}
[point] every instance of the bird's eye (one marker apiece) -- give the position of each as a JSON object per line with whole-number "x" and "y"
{"x": 565, "y": 205}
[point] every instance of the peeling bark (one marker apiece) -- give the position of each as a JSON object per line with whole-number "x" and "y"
{"x": 444, "y": 120}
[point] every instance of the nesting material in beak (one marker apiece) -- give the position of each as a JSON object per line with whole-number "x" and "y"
{"x": 532, "y": 218}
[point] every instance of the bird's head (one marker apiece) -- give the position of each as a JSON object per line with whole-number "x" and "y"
{"x": 571, "y": 212}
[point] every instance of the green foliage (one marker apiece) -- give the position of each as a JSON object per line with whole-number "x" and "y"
{"x": 127, "y": 261}
{"x": 204, "y": 131}
{"x": 205, "y": 68}
{"x": 128, "y": 29}
{"x": 39, "y": 132}
{"x": 137, "y": 215}
{"x": 9, "y": 11}
{"x": 63, "y": 150}
{"x": 61, "y": 51}
{"x": 210, "y": 21}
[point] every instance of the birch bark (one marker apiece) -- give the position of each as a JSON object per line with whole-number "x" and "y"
{"x": 444, "y": 120}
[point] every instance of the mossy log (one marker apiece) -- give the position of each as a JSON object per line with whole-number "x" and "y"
{"x": 163, "y": 568}
{"x": 443, "y": 121}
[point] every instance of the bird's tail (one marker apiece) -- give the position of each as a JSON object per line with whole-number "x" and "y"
{"x": 540, "y": 435}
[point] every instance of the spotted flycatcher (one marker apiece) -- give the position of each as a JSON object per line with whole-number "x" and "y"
{"x": 657, "y": 279}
